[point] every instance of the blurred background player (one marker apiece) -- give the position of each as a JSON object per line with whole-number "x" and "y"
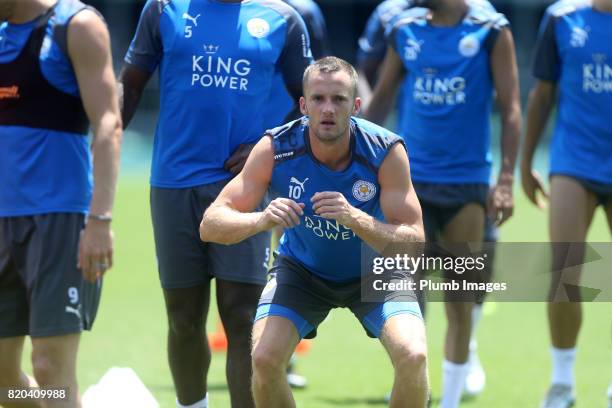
{"x": 371, "y": 51}
{"x": 56, "y": 79}
{"x": 216, "y": 59}
{"x": 354, "y": 174}
{"x": 454, "y": 56}
{"x": 573, "y": 68}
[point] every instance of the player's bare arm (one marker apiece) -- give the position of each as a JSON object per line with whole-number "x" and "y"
{"x": 398, "y": 201}
{"x": 391, "y": 76}
{"x": 230, "y": 218}
{"x": 505, "y": 76}
{"x": 541, "y": 100}
{"x": 89, "y": 51}
{"x": 132, "y": 82}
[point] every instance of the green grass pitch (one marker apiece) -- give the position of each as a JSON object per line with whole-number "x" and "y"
{"x": 344, "y": 367}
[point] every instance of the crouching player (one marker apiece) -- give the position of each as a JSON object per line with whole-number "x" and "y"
{"x": 328, "y": 167}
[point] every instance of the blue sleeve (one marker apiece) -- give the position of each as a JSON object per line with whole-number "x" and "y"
{"x": 296, "y": 54}
{"x": 372, "y": 44}
{"x": 546, "y": 58}
{"x": 146, "y": 48}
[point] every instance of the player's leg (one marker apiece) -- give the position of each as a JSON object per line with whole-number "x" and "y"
{"x": 240, "y": 271}
{"x": 11, "y": 375}
{"x": 403, "y": 336}
{"x": 274, "y": 341}
{"x": 54, "y": 364}
{"x": 475, "y": 380}
{"x": 571, "y": 212}
{"x": 292, "y": 304}
{"x": 466, "y": 226}
{"x": 61, "y": 302}
{"x": 237, "y": 304}
{"x": 13, "y": 315}
{"x": 182, "y": 264}
{"x": 188, "y": 350}
{"x": 608, "y": 209}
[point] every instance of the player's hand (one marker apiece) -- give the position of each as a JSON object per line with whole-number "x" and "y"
{"x": 501, "y": 201}
{"x": 283, "y": 212}
{"x": 532, "y": 184}
{"x": 236, "y": 161}
{"x": 333, "y": 205}
{"x": 95, "y": 249}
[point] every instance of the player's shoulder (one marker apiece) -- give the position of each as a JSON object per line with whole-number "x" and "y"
{"x": 66, "y": 10}
{"x": 482, "y": 12}
{"x": 566, "y": 7}
{"x": 388, "y": 10}
{"x": 375, "y": 137}
{"x": 283, "y": 9}
{"x": 286, "y": 139}
{"x": 415, "y": 15}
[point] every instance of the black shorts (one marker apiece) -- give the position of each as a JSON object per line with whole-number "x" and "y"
{"x": 183, "y": 259}
{"x": 42, "y": 292}
{"x": 602, "y": 191}
{"x": 305, "y": 299}
{"x": 441, "y": 202}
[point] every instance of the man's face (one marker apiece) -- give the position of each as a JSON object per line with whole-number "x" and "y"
{"x": 7, "y": 8}
{"x": 329, "y": 101}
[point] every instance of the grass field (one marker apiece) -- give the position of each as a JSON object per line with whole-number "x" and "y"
{"x": 344, "y": 367}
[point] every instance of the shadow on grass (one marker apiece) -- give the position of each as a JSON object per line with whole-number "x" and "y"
{"x": 434, "y": 402}
{"x": 348, "y": 402}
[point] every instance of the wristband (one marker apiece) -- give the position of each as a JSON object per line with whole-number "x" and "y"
{"x": 100, "y": 217}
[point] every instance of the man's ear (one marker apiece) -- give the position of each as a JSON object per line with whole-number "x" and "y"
{"x": 303, "y": 107}
{"x": 357, "y": 106}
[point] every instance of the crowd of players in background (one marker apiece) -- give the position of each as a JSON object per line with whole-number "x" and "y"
{"x": 441, "y": 64}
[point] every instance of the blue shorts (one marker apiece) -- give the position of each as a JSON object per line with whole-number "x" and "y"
{"x": 305, "y": 299}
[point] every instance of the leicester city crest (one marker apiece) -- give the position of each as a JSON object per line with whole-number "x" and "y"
{"x": 469, "y": 46}
{"x": 258, "y": 27}
{"x": 364, "y": 190}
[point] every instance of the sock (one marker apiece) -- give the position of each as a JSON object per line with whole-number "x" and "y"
{"x": 476, "y": 315}
{"x": 453, "y": 378}
{"x": 563, "y": 365}
{"x": 200, "y": 404}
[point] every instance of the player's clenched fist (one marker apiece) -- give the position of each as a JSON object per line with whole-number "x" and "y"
{"x": 333, "y": 205}
{"x": 283, "y": 212}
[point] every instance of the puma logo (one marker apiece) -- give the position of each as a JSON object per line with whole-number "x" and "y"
{"x": 74, "y": 311}
{"x": 192, "y": 19}
{"x": 299, "y": 183}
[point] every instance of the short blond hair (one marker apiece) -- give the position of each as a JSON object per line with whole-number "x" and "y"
{"x": 328, "y": 65}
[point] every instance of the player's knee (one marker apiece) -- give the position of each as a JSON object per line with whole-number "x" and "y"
{"x": 267, "y": 364}
{"x": 182, "y": 326}
{"x": 411, "y": 359}
{"x": 46, "y": 368}
{"x": 238, "y": 319}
